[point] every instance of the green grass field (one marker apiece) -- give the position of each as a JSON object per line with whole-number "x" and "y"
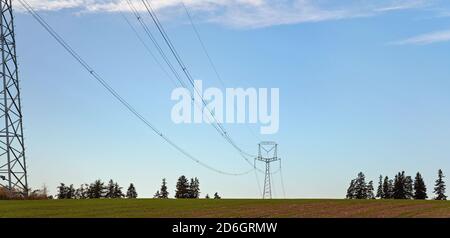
{"x": 148, "y": 208}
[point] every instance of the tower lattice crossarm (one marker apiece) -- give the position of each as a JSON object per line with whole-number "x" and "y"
{"x": 13, "y": 169}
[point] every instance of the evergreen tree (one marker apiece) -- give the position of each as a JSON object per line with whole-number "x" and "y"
{"x": 351, "y": 190}
{"x": 409, "y": 187}
{"x": 164, "y": 192}
{"x": 131, "y": 192}
{"x": 62, "y": 191}
{"x": 110, "y": 192}
{"x": 81, "y": 192}
{"x": 360, "y": 187}
{"x": 391, "y": 188}
{"x": 194, "y": 188}
{"x": 369, "y": 193}
{"x": 387, "y": 188}
{"x": 182, "y": 188}
{"x": 118, "y": 191}
{"x": 70, "y": 194}
{"x": 207, "y": 196}
{"x": 380, "y": 190}
{"x": 439, "y": 188}
{"x": 420, "y": 190}
{"x": 399, "y": 186}
{"x": 216, "y": 196}
{"x": 96, "y": 190}
{"x": 78, "y": 192}
{"x": 157, "y": 195}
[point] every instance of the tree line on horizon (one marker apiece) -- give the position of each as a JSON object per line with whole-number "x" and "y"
{"x": 96, "y": 190}
{"x": 401, "y": 187}
{"x": 185, "y": 189}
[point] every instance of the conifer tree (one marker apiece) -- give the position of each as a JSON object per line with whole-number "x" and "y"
{"x": 81, "y": 192}
{"x": 207, "y": 196}
{"x": 194, "y": 188}
{"x": 409, "y": 187}
{"x": 391, "y": 188}
{"x": 62, "y": 191}
{"x": 216, "y": 196}
{"x": 110, "y": 189}
{"x": 399, "y": 186}
{"x": 439, "y": 188}
{"x": 157, "y": 195}
{"x": 360, "y": 187}
{"x": 420, "y": 190}
{"x": 131, "y": 192}
{"x": 369, "y": 191}
{"x": 380, "y": 191}
{"x": 164, "y": 192}
{"x": 66, "y": 192}
{"x": 118, "y": 191}
{"x": 182, "y": 188}
{"x": 351, "y": 190}
{"x": 96, "y": 190}
{"x": 70, "y": 194}
{"x": 387, "y": 188}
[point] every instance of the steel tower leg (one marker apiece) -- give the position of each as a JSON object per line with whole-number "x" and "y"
{"x": 267, "y": 183}
{"x": 13, "y": 170}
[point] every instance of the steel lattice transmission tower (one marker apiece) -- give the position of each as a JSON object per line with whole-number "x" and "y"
{"x": 267, "y": 153}
{"x": 13, "y": 170}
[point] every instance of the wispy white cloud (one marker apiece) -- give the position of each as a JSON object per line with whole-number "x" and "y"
{"x": 402, "y": 5}
{"x": 425, "y": 39}
{"x": 53, "y": 5}
{"x": 247, "y": 13}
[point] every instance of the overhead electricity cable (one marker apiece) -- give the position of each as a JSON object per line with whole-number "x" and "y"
{"x": 179, "y": 61}
{"x": 114, "y": 93}
{"x": 208, "y": 56}
{"x": 282, "y": 181}
{"x": 185, "y": 70}
{"x": 163, "y": 55}
{"x": 149, "y": 51}
{"x": 158, "y": 47}
{"x": 213, "y": 66}
{"x": 257, "y": 179}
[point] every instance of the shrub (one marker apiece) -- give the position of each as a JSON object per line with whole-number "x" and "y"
{"x": 6, "y": 194}
{"x": 40, "y": 194}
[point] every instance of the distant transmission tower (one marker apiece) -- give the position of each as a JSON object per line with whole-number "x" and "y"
{"x": 267, "y": 153}
{"x": 13, "y": 170}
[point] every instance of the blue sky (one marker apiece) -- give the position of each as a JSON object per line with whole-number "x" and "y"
{"x": 363, "y": 84}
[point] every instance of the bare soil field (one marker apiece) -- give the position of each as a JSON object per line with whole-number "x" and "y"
{"x": 226, "y": 208}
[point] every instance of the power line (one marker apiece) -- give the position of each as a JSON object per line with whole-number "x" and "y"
{"x": 179, "y": 60}
{"x": 114, "y": 93}
{"x": 217, "y": 125}
{"x": 162, "y": 53}
{"x": 185, "y": 70}
{"x": 158, "y": 47}
{"x": 257, "y": 180}
{"x": 282, "y": 181}
{"x": 148, "y": 49}
{"x": 212, "y": 64}
{"x": 139, "y": 18}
